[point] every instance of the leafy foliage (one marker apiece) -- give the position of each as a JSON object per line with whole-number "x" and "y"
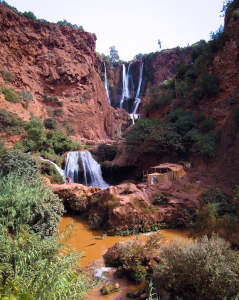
{"x": 50, "y": 123}
{"x": 8, "y": 76}
{"x": 153, "y": 136}
{"x": 18, "y": 162}
{"x": 131, "y": 255}
{"x": 114, "y": 56}
{"x": 30, "y": 15}
{"x": 11, "y": 122}
{"x": 43, "y": 268}
{"x": 189, "y": 269}
{"x": 10, "y": 95}
{"x": 27, "y": 201}
{"x": 106, "y": 152}
{"x": 175, "y": 133}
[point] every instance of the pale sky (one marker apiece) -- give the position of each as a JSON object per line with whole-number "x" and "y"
{"x": 133, "y": 26}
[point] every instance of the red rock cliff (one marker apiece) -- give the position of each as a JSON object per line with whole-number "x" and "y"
{"x": 57, "y": 61}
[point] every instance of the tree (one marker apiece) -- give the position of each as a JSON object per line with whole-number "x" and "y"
{"x": 114, "y": 54}
{"x": 159, "y": 43}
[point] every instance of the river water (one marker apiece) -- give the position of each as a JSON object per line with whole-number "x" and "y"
{"x": 82, "y": 236}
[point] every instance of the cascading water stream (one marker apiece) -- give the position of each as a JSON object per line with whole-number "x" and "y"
{"x": 107, "y": 86}
{"x": 125, "y": 89}
{"x": 137, "y": 97}
{"x": 59, "y": 170}
{"x": 90, "y": 174}
{"x": 81, "y": 168}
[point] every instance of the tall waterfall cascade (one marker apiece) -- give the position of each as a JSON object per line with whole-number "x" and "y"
{"x": 82, "y": 168}
{"x": 128, "y": 92}
{"x": 107, "y": 86}
{"x": 137, "y": 97}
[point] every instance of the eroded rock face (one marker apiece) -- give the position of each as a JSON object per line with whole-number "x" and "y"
{"x": 58, "y": 61}
{"x": 128, "y": 206}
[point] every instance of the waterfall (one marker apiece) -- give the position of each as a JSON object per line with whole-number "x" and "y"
{"x": 134, "y": 117}
{"x": 125, "y": 89}
{"x": 59, "y": 170}
{"x": 106, "y": 86}
{"x": 88, "y": 174}
{"x": 81, "y": 168}
{"x": 72, "y": 167}
{"x": 137, "y": 99}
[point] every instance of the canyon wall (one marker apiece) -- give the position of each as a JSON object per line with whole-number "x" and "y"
{"x": 58, "y": 66}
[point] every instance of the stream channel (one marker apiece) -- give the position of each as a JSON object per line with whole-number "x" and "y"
{"x": 82, "y": 236}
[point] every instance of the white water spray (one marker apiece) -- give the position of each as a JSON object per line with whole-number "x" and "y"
{"x": 90, "y": 172}
{"x": 125, "y": 89}
{"x": 137, "y": 97}
{"x": 107, "y": 86}
{"x": 59, "y": 170}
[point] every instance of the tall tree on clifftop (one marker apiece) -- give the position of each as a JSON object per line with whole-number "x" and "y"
{"x": 114, "y": 54}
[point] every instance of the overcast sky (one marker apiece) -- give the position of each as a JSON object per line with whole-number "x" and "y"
{"x": 133, "y": 26}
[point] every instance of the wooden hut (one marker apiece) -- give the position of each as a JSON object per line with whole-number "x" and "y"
{"x": 166, "y": 172}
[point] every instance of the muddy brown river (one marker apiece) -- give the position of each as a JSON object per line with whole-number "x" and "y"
{"x": 82, "y": 236}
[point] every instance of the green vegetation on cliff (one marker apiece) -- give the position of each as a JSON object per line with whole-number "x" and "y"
{"x": 33, "y": 256}
{"x": 176, "y": 133}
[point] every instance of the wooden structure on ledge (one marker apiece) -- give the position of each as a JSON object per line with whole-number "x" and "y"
{"x": 166, "y": 172}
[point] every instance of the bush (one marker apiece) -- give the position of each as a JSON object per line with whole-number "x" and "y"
{"x": 18, "y": 162}
{"x": 106, "y": 152}
{"x": 24, "y": 200}
{"x": 153, "y": 136}
{"x": 201, "y": 144}
{"x": 57, "y": 112}
{"x": 26, "y": 95}
{"x": 10, "y": 95}
{"x": 11, "y": 122}
{"x": 207, "y": 124}
{"x": 8, "y": 76}
{"x": 132, "y": 255}
{"x": 201, "y": 269}
{"x": 42, "y": 267}
{"x": 67, "y": 125}
{"x": 50, "y": 123}
{"x": 218, "y": 39}
{"x": 35, "y": 132}
{"x": 30, "y": 15}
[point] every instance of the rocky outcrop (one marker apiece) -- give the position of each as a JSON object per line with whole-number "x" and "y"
{"x": 56, "y": 65}
{"x": 128, "y": 208}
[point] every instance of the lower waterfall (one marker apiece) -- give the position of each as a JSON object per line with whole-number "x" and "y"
{"x": 82, "y": 168}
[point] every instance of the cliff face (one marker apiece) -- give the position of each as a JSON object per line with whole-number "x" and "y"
{"x": 56, "y": 62}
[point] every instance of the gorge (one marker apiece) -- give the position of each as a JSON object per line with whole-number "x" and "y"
{"x": 67, "y": 111}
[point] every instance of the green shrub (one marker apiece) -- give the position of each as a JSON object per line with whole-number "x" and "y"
{"x": 67, "y": 125}
{"x": 11, "y": 122}
{"x": 26, "y": 95}
{"x": 10, "y": 95}
{"x": 50, "y": 123}
{"x": 153, "y": 136}
{"x": 198, "y": 270}
{"x": 57, "y": 112}
{"x": 218, "y": 39}
{"x": 42, "y": 267}
{"x": 207, "y": 124}
{"x": 132, "y": 254}
{"x": 27, "y": 201}
{"x": 18, "y": 162}
{"x": 106, "y": 152}
{"x": 30, "y": 15}
{"x": 35, "y": 132}
{"x": 200, "y": 144}
{"x": 8, "y": 76}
